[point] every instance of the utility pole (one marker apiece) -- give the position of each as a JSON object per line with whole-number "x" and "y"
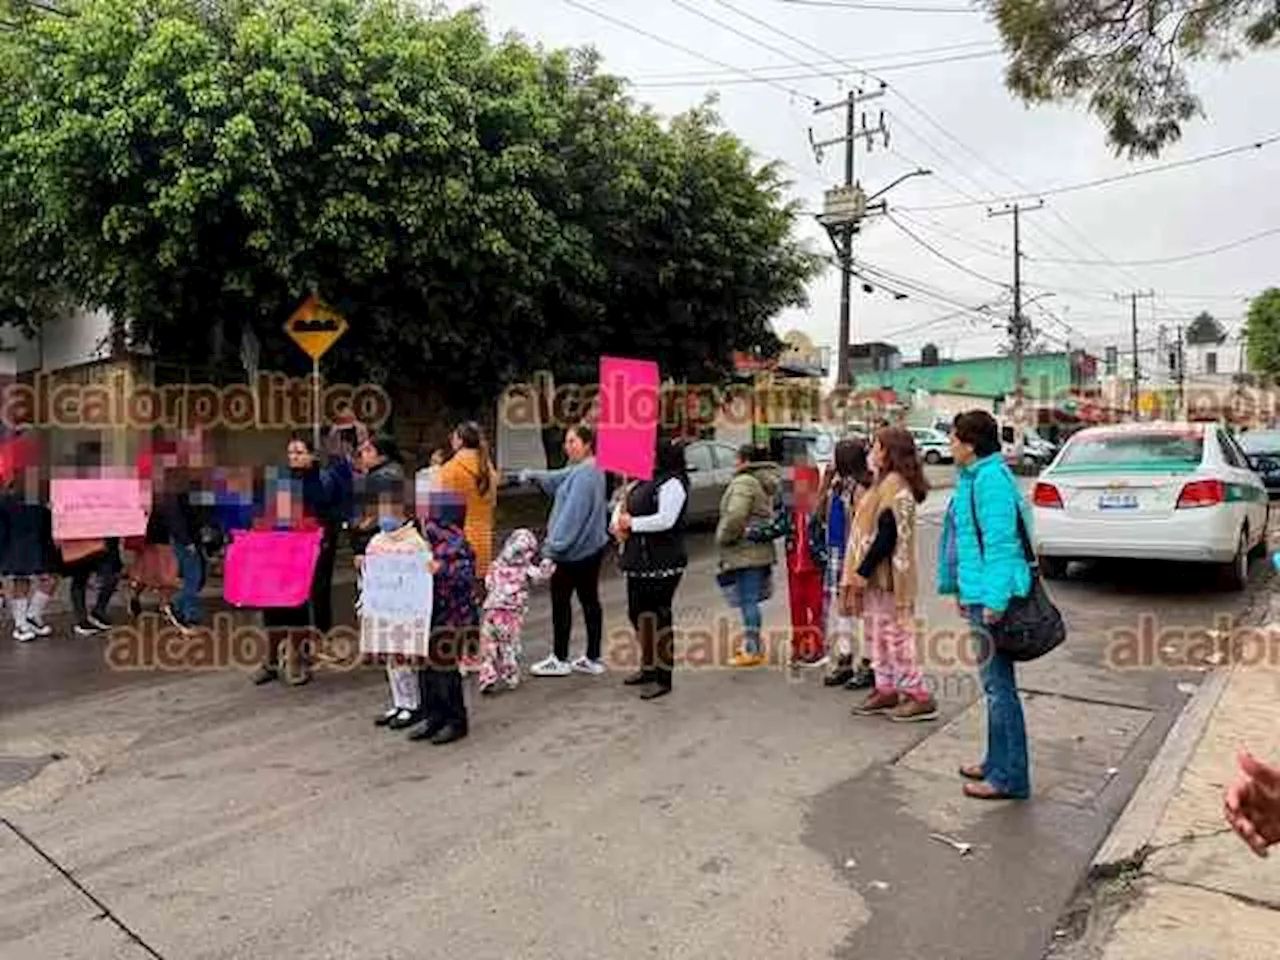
{"x": 844, "y": 207}
{"x": 1018, "y": 327}
{"x": 1182, "y": 378}
{"x": 1137, "y": 369}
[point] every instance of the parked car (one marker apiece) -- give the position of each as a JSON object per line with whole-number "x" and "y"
{"x": 711, "y": 467}
{"x": 1171, "y": 491}
{"x": 1262, "y": 447}
{"x": 1040, "y": 450}
{"x": 1023, "y": 448}
{"x": 934, "y": 445}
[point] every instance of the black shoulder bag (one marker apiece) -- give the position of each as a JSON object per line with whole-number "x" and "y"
{"x": 1032, "y": 626}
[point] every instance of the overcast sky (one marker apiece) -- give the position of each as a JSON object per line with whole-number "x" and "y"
{"x": 957, "y": 119}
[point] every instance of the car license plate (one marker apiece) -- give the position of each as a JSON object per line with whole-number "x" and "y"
{"x": 1118, "y": 501}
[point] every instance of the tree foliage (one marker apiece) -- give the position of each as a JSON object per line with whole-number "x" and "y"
{"x": 1204, "y": 329}
{"x": 1127, "y": 60}
{"x": 480, "y": 208}
{"x": 1262, "y": 331}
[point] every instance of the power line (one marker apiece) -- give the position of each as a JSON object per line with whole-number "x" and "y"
{"x": 816, "y": 74}
{"x": 1115, "y": 178}
{"x": 826, "y": 61}
{"x": 994, "y": 250}
{"x": 866, "y": 5}
{"x": 889, "y": 280}
{"x": 716, "y": 21}
{"x": 942, "y": 256}
{"x": 1165, "y": 260}
{"x": 688, "y": 51}
{"x": 1066, "y": 291}
{"x": 920, "y": 111}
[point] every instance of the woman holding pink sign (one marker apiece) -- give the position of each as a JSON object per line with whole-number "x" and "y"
{"x": 286, "y": 627}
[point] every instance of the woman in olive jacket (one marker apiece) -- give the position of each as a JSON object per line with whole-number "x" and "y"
{"x": 746, "y": 565}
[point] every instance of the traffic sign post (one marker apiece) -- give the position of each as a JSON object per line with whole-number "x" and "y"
{"x": 315, "y": 327}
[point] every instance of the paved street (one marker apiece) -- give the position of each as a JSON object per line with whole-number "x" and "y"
{"x": 747, "y": 815}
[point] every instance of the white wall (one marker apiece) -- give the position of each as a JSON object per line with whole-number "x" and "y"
{"x": 1231, "y": 356}
{"x": 81, "y": 337}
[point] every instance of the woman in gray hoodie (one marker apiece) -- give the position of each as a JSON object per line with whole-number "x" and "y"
{"x": 577, "y": 534}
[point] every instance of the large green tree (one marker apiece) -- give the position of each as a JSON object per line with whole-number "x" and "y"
{"x": 1262, "y": 331}
{"x": 1127, "y": 60}
{"x": 481, "y": 209}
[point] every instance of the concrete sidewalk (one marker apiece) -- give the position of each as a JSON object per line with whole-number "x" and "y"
{"x": 1173, "y": 882}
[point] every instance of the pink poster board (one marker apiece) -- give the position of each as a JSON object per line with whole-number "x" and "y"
{"x": 270, "y": 568}
{"x": 93, "y": 508}
{"x": 627, "y": 427}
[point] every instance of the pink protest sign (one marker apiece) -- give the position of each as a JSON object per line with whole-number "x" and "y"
{"x": 627, "y": 427}
{"x": 270, "y": 568}
{"x": 92, "y": 508}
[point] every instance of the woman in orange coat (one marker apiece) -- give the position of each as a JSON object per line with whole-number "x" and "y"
{"x": 471, "y": 474}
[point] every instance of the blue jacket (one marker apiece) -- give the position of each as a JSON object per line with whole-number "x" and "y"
{"x": 992, "y": 576}
{"x": 579, "y": 523}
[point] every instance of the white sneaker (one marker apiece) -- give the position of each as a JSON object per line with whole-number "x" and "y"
{"x": 592, "y": 667}
{"x": 551, "y": 667}
{"x": 41, "y": 629}
{"x": 23, "y": 633}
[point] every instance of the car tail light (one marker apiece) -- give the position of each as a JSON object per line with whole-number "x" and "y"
{"x": 1046, "y": 495}
{"x": 1202, "y": 493}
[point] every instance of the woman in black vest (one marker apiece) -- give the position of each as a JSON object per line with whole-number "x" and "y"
{"x": 649, "y": 521}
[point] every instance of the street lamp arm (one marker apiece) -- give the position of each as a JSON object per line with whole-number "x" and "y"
{"x": 906, "y": 176}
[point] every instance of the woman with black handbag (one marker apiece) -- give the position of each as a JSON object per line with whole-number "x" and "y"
{"x": 982, "y": 560}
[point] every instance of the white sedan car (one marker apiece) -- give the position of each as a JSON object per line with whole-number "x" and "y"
{"x": 1151, "y": 491}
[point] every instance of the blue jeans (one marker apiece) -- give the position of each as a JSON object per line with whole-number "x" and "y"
{"x": 1005, "y": 766}
{"x": 190, "y": 568}
{"x": 750, "y": 588}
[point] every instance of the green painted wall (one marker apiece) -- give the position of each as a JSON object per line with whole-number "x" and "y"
{"x": 983, "y": 376}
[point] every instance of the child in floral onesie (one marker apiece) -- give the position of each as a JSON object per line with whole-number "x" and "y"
{"x": 505, "y": 607}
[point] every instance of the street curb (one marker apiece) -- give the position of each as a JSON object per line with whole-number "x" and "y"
{"x": 1132, "y": 831}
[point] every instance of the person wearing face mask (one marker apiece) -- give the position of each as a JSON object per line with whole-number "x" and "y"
{"x": 379, "y": 474}
{"x": 396, "y": 530}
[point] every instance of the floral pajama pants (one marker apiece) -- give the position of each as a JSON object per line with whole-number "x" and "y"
{"x": 893, "y": 647}
{"x": 500, "y": 648}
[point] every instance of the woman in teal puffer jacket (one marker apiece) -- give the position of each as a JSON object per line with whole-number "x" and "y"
{"x": 982, "y": 562}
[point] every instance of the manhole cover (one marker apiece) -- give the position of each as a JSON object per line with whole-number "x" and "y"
{"x": 16, "y": 770}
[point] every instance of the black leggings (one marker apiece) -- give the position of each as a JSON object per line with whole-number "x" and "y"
{"x": 107, "y": 567}
{"x": 649, "y": 608}
{"x": 583, "y": 578}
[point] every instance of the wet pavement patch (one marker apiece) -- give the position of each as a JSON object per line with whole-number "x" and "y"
{"x": 16, "y": 770}
{"x": 1076, "y": 747}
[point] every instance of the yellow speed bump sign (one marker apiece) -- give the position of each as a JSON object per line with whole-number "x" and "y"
{"x": 315, "y": 327}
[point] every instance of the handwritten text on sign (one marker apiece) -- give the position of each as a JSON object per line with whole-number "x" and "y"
{"x": 396, "y": 585}
{"x": 88, "y": 509}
